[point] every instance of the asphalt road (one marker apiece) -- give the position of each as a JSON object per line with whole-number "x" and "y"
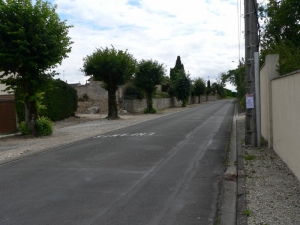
{"x": 163, "y": 171}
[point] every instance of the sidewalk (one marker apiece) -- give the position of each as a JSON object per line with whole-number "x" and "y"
{"x": 267, "y": 191}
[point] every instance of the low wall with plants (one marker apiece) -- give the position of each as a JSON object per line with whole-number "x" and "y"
{"x": 136, "y": 105}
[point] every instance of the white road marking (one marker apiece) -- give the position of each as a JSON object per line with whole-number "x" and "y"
{"x": 125, "y": 135}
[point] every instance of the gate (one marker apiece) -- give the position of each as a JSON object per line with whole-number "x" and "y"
{"x": 7, "y": 114}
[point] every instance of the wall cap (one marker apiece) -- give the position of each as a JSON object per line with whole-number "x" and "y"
{"x": 288, "y": 74}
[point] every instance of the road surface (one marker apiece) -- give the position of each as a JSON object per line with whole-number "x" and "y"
{"x": 164, "y": 171}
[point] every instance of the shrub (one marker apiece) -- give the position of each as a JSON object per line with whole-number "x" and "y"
{"x": 134, "y": 91}
{"x": 44, "y": 126}
{"x": 24, "y": 130}
{"x": 152, "y": 111}
{"x": 159, "y": 94}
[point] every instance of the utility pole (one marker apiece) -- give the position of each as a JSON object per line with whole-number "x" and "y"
{"x": 251, "y": 46}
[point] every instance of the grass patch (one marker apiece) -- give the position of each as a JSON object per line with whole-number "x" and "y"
{"x": 246, "y": 212}
{"x": 250, "y": 157}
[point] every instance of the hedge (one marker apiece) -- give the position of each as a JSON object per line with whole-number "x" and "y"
{"x": 61, "y": 102}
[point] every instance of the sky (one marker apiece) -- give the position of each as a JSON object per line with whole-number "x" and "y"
{"x": 204, "y": 33}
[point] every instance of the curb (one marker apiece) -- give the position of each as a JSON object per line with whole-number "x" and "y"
{"x": 9, "y": 135}
{"x": 228, "y": 209}
{"x": 241, "y": 188}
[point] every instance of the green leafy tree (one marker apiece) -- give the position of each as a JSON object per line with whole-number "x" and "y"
{"x": 218, "y": 89}
{"x": 199, "y": 87}
{"x": 149, "y": 74}
{"x": 281, "y": 33}
{"x": 113, "y": 68}
{"x": 182, "y": 87}
{"x": 237, "y": 78}
{"x": 33, "y": 41}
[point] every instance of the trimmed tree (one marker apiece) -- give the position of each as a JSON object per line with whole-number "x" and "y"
{"x": 199, "y": 87}
{"x": 33, "y": 41}
{"x": 113, "y": 68}
{"x": 149, "y": 74}
{"x": 182, "y": 87}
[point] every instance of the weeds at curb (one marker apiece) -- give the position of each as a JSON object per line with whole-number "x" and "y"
{"x": 246, "y": 212}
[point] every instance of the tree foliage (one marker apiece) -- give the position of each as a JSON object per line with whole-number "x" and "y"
{"x": 112, "y": 67}
{"x": 33, "y": 41}
{"x": 149, "y": 74}
{"x": 281, "y": 33}
{"x": 182, "y": 87}
{"x": 218, "y": 89}
{"x": 237, "y": 78}
{"x": 199, "y": 87}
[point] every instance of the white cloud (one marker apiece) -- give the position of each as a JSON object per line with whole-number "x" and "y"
{"x": 203, "y": 33}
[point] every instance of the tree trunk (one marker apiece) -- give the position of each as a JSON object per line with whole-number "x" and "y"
{"x": 199, "y": 98}
{"x": 31, "y": 116}
{"x": 112, "y": 105}
{"x": 149, "y": 102}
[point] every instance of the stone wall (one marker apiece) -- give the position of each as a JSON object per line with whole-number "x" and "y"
{"x": 136, "y": 106}
{"x": 93, "y": 90}
{"x": 98, "y": 94}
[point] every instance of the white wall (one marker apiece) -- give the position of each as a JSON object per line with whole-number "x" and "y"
{"x": 286, "y": 119}
{"x": 267, "y": 73}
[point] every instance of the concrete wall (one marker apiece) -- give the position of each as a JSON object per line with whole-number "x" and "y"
{"x": 286, "y": 119}
{"x": 267, "y": 73}
{"x": 280, "y": 107}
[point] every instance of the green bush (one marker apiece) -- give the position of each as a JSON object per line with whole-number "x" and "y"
{"x": 134, "y": 91}
{"x": 60, "y": 102}
{"x": 24, "y": 130}
{"x": 152, "y": 111}
{"x": 159, "y": 94}
{"x": 44, "y": 126}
